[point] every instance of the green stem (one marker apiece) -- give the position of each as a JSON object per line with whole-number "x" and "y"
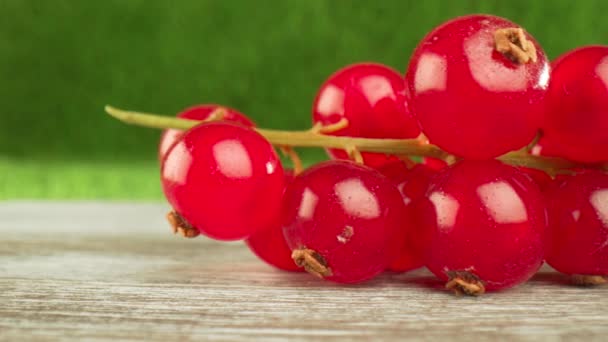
{"x": 310, "y": 138}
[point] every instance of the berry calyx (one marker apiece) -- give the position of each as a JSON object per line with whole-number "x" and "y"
{"x": 588, "y": 280}
{"x": 477, "y": 85}
{"x": 512, "y": 43}
{"x": 214, "y": 177}
{"x": 464, "y": 283}
{"x": 312, "y": 262}
{"x": 181, "y": 226}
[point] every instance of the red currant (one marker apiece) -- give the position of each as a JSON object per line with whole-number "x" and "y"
{"x": 395, "y": 171}
{"x": 199, "y": 112}
{"x": 412, "y": 184}
{"x": 540, "y": 177}
{"x": 576, "y": 118}
{"x": 372, "y": 97}
{"x": 472, "y": 100}
{"x": 434, "y": 163}
{"x": 577, "y": 242}
{"x": 482, "y": 226}
{"x": 341, "y": 220}
{"x": 224, "y": 179}
{"x": 544, "y": 148}
{"x": 270, "y": 245}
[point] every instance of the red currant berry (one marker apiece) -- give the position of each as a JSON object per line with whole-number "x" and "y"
{"x": 224, "y": 179}
{"x": 544, "y": 148}
{"x": 540, "y": 177}
{"x": 577, "y": 238}
{"x": 270, "y": 245}
{"x": 412, "y": 184}
{"x": 477, "y": 85}
{"x": 482, "y": 226}
{"x": 576, "y": 117}
{"x": 372, "y": 98}
{"x": 434, "y": 163}
{"x": 199, "y": 112}
{"x": 395, "y": 171}
{"x": 340, "y": 220}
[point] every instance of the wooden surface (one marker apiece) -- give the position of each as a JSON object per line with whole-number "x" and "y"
{"x": 101, "y": 271}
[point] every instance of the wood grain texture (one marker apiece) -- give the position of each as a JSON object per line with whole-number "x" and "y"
{"x": 112, "y": 271}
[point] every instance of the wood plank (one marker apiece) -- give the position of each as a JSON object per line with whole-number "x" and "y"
{"x": 112, "y": 271}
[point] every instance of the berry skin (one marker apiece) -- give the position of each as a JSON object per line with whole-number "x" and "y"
{"x": 482, "y": 222}
{"x": 224, "y": 179}
{"x": 270, "y": 245}
{"x": 576, "y": 117}
{"x": 545, "y": 147}
{"x": 412, "y": 184}
{"x": 341, "y": 220}
{"x": 540, "y": 177}
{"x": 470, "y": 99}
{"x": 199, "y": 112}
{"x": 577, "y": 235}
{"x": 434, "y": 163}
{"x": 373, "y": 99}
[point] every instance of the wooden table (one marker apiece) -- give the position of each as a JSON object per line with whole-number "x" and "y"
{"x": 112, "y": 271}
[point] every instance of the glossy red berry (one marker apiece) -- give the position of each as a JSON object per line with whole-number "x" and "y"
{"x": 224, "y": 179}
{"x": 340, "y": 220}
{"x": 434, "y": 163}
{"x": 472, "y": 100}
{"x": 482, "y": 222}
{"x": 372, "y": 97}
{"x": 576, "y": 117}
{"x": 395, "y": 171}
{"x": 199, "y": 112}
{"x": 577, "y": 239}
{"x": 270, "y": 245}
{"x": 545, "y": 147}
{"x": 540, "y": 177}
{"x": 412, "y": 184}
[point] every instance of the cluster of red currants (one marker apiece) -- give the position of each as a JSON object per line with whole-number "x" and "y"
{"x": 477, "y": 87}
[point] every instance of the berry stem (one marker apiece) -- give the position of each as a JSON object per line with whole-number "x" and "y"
{"x": 327, "y": 129}
{"x": 296, "y": 162}
{"x": 217, "y": 114}
{"x": 314, "y": 138}
{"x": 354, "y": 154}
{"x": 305, "y": 138}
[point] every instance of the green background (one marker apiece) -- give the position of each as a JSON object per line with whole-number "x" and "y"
{"x": 61, "y": 61}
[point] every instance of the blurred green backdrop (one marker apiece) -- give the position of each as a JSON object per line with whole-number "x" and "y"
{"x": 62, "y": 60}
